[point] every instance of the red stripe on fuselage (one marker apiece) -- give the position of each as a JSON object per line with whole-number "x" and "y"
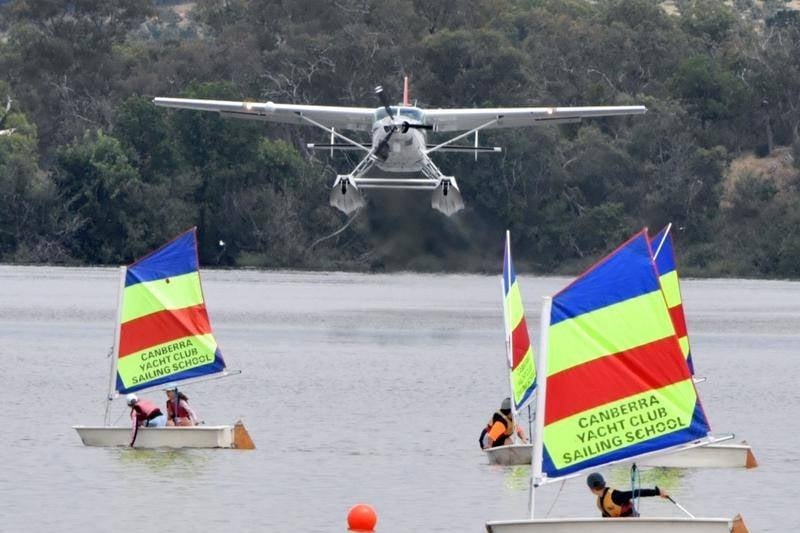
{"x": 164, "y": 326}
{"x": 614, "y": 377}
{"x": 519, "y": 342}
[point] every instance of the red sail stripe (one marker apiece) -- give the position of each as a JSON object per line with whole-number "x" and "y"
{"x": 520, "y": 342}
{"x": 161, "y": 327}
{"x": 613, "y": 377}
{"x": 678, "y": 320}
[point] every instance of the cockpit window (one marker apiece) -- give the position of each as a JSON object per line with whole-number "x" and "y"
{"x": 408, "y": 112}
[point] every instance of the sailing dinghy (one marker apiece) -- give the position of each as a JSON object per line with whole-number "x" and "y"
{"x": 716, "y": 455}
{"x": 612, "y": 386}
{"x": 713, "y": 455}
{"x": 163, "y": 337}
{"x": 519, "y": 356}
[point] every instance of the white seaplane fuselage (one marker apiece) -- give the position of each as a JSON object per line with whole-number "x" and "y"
{"x": 406, "y": 149}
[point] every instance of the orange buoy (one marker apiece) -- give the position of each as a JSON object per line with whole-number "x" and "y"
{"x": 361, "y": 517}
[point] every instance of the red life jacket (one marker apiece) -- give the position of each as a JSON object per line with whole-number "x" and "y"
{"x": 182, "y": 412}
{"x": 146, "y": 410}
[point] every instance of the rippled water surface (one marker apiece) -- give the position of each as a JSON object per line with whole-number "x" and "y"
{"x": 356, "y": 388}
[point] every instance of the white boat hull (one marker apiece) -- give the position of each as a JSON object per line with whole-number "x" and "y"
{"x": 167, "y": 437}
{"x": 510, "y": 455}
{"x": 624, "y": 525}
{"x": 718, "y": 455}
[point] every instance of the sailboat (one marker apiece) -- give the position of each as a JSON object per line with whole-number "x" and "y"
{"x": 163, "y": 338}
{"x": 612, "y": 386}
{"x": 519, "y": 355}
{"x": 717, "y": 455}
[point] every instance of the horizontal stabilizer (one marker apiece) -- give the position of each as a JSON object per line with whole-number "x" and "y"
{"x": 334, "y": 146}
{"x": 451, "y": 148}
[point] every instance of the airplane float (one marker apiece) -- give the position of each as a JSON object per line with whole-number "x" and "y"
{"x": 399, "y": 138}
{"x": 8, "y": 131}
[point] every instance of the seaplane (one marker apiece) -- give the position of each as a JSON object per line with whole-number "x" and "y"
{"x": 399, "y": 144}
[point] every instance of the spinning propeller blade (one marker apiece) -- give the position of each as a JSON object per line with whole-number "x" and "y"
{"x": 384, "y": 100}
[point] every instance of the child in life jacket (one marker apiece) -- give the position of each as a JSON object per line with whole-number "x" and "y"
{"x": 144, "y": 413}
{"x": 617, "y": 503}
{"x": 178, "y": 411}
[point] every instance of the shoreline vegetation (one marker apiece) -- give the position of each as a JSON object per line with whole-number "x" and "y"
{"x": 94, "y": 174}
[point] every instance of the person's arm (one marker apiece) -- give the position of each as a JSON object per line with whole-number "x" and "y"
{"x": 134, "y": 426}
{"x": 189, "y": 411}
{"x": 521, "y": 434}
{"x": 621, "y": 497}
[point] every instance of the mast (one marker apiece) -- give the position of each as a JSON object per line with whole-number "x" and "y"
{"x": 541, "y": 370}
{"x": 112, "y": 378}
{"x": 663, "y": 239}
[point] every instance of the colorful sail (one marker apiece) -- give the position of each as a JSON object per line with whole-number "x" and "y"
{"x": 165, "y": 335}
{"x": 617, "y": 383}
{"x": 668, "y": 276}
{"x": 520, "y": 351}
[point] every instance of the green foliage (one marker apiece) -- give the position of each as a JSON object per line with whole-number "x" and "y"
{"x": 119, "y": 215}
{"x": 143, "y": 128}
{"x": 711, "y": 92}
{"x": 95, "y": 173}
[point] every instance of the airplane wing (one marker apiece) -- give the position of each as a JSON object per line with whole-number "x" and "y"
{"x": 343, "y": 118}
{"x": 516, "y": 117}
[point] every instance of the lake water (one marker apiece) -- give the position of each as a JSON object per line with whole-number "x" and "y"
{"x": 357, "y": 388}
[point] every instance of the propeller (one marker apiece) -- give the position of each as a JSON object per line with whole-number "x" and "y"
{"x": 384, "y": 100}
{"x": 382, "y": 150}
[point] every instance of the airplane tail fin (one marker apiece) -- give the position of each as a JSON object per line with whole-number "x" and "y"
{"x": 405, "y": 91}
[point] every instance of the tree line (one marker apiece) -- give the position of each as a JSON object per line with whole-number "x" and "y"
{"x": 93, "y": 173}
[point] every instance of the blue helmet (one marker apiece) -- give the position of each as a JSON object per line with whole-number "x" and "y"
{"x": 595, "y": 481}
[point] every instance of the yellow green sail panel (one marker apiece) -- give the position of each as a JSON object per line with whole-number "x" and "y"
{"x": 521, "y": 363}
{"x": 165, "y": 335}
{"x": 617, "y": 383}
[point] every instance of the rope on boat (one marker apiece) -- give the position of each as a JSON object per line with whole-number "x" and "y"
{"x": 636, "y": 487}
{"x": 555, "y": 499}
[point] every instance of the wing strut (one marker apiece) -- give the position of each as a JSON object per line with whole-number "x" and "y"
{"x": 458, "y": 137}
{"x": 333, "y": 132}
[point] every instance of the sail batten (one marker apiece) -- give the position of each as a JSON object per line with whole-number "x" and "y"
{"x": 617, "y": 383}
{"x": 165, "y": 333}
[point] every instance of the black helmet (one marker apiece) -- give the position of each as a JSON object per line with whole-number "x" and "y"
{"x": 595, "y": 481}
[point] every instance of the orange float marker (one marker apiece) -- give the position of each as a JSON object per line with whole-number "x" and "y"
{"x": 361, "y": 517}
